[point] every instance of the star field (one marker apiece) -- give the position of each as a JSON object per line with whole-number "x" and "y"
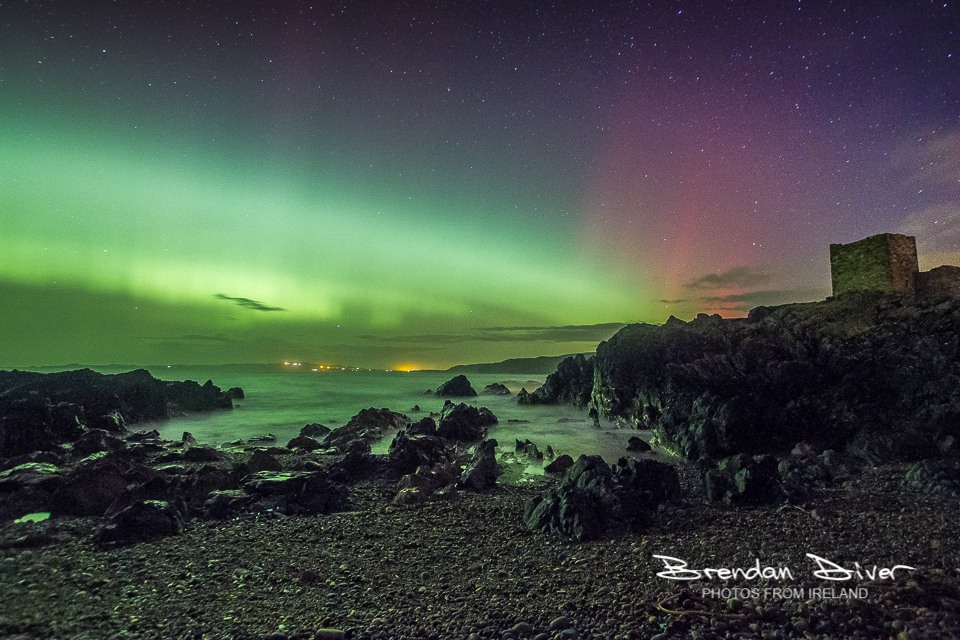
{"x": 383, "y": 184}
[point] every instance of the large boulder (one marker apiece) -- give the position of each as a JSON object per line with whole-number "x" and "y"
{"x": 482, "y": 470}
{"x": 144, "y": 520}
{"x": 571, "y": 383}
{"x": 458, "y": 387}
{"x": 409, "y": 451}
{"x": 495, "y": 389}
{"x": 593, "y": 497}
{"x": 364, "y": 429}
{"x": 875, "y": 375}
{"x": 464, "y": 422}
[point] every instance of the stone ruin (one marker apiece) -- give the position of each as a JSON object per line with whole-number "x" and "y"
{"x": 887, "y": 262}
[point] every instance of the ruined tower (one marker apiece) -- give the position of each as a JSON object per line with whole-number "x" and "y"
{"x": 886, "y": 262}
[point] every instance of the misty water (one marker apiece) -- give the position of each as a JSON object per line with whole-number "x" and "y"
{"x": 281, "y": 403}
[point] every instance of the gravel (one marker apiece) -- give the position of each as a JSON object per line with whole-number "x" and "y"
{"x": 468, "y": 568}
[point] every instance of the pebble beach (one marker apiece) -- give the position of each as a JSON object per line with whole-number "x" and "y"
{"x": 466, "y": 567}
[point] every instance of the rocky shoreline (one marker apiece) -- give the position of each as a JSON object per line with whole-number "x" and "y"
{"x": 467, "y": 566}
{"x": 441, "y": 537}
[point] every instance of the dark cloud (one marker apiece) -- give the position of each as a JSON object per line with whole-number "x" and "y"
{"x": 566, "y": 333}
{"x": 680, "y": 301}
{"x": 738, "y": 277}
{"x": 751, "y": 299}
{"x": 248, "y": 303}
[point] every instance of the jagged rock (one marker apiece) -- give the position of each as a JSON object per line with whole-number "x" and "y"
{"x": 876, "y": 375}
{"x": 636, "y": 444}
{"x": 263, "y": 461}
{"x": 571, "y": 383}
{"x": 143, "y": 436}
{"x": 744, "y": 479}
{"x": 458, "y": 387}
{"x": 28, "y": 488}
{"x": 529, "y": 450}
{"x": 90, "y": 488}
{"x": 97, "y": 440}
{"x": 495, "y": 389}
{"x": 364, "y": 429}
{"x": 523, "y": 397}
{"x": 426, "y": 427}
{"x": 145, "y": 520}
{"x": 934, "y": 476}
{"x": 229, "y": 503}
{"x": 234, "y": 393}
{"x": 314, "y": 430}
{"x": 560, "y": 465}
{"x": 409, "y": 451}
{"x": 592, "y": 497}
{"x": 203, "y": 454}
{"x": 304, "y": 442}
{"x": 293, "y": 492}
{"x": 464, "y": 422}
{"x": 41, "y": 411}
{"x": 481, "y": 471}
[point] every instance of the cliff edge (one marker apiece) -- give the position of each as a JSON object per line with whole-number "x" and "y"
{"x": 875, "y": 375}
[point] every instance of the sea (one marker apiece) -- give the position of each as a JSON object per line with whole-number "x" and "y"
{"x": 281, "y": 403}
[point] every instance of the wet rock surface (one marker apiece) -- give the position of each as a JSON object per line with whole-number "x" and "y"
{"x": 40, "y": 411}
{"x": 457, "y": 387}
{"x": 873, "y": 376}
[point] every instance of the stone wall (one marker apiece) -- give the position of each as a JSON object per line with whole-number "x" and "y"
{"x": 941, "y": 281}
{"x": 886, "y": 262}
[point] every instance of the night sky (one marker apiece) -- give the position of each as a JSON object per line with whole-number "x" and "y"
{"x": 435, "y": 183}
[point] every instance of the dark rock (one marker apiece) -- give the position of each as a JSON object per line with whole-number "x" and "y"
{"x": 42, "y": 411}
{"x": 364, "y": 429}
{"x": 304, "y": 442}
{"x": 314, "y": 430}
{"x": 224, "y": 504}
{"x": 744, "y": 479}
{"x": 143, "y": 436}
{"x": 934, "y": 477}
{"x": 495, "y": 389}
{"x": 529, "y": 450}
{"x": 188, "y": 439}
{"x": 90, "y": 488}
{"x": 47, "y": 477}
{"x": 560, "y": 465}
{"x": 160, "y": 487}
{"x": 464, "y": 422}
{"x": 636, "y": 444}
{"x": 203, "y": 454}
{"x": 272, "y": 482}
{"x": 294, "y": 492}
{"x": 523, "y": 397}
{"x": 481, "y": 471}
{"x": 592, "y": 497}
{"x": 263, "y": 439}
{"x": 458, "y": 387}
{"x": 875, "y": 375}
{"x": 234, "y": 393}
{"x": 145, "y": 520}
{"x": 97, "y": 440}
{"x": 263, "y": 461}
{"x": 571, "y": 383}
{"x": 354, "y": 465}
{"x": 425, "y": 427}
{"x": 112, "y": 421}
{"x": 410, "y": 451}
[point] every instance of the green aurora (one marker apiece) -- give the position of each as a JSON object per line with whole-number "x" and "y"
{"x": 388, "y": 186}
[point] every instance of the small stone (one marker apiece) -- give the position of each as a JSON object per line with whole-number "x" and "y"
{"x": 561, "y": 623}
